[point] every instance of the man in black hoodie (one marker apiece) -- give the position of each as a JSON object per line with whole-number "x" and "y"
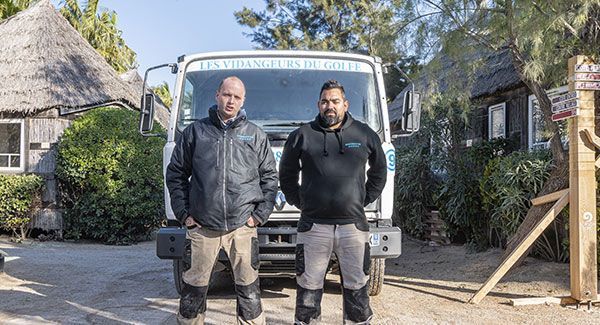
{"x": 222, "y": 181}
{"x": 332, "y": 152}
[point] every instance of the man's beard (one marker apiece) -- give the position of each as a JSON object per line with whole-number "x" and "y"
{"x": 330, "y": 120}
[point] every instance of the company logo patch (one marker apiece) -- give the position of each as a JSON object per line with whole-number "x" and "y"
{"x": 353, "y": 145}
{"x": 245, "y": 137}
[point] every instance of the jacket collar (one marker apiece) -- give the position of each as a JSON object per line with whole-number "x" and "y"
{"x": 216, "y": 119}
{"x": 320, "y": 123}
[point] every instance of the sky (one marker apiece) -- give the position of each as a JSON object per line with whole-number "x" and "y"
{"x": 159, "y": 31}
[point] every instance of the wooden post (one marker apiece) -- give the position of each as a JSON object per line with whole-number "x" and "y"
{"x": 582, "y": 201}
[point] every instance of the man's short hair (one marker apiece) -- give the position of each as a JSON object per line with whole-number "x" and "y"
{"x": 333, "y": 84}
{"x": 230, "y": 78}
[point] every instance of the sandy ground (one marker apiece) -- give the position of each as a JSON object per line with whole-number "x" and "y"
{"x": 75, "y": 283}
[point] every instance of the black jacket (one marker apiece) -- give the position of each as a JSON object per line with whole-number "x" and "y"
{"x": 333, "y": 163}
{"x": 232, "y": 173}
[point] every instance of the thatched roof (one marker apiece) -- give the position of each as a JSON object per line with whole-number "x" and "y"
{"x": 45, "y": 63}
{"x": 135, "y": 82}
{"x": 496, "y": 74}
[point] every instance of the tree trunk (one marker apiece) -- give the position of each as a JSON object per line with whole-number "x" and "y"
{"x": 558, "y": 152}
{"x": 559, "y": 176}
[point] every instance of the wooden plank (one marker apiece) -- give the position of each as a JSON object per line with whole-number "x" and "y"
{"x": 549, "y": 197}
{"x": 536, "y": 301}
{"x": 582, "y": 184}
{"x": 592, "y": 138}
{"x": 561, "y": 300}
{"x": 520, "y": 249}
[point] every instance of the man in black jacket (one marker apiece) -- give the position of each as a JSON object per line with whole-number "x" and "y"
{"x": 332, "y": 152}
{"x": 222, "y": 181}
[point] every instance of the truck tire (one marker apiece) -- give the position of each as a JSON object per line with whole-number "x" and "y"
{"x": 178, "y": 268}
{"x": 182, "y": 265}
{"x": 376, "y": 276}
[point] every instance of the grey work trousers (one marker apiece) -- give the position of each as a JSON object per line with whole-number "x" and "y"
{"x": 241, "y": 246}
{"x": 313, "y": 252}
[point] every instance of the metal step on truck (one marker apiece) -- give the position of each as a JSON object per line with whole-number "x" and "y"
{"x": 282, "y": 90}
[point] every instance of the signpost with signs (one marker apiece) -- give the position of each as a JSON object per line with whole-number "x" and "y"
{"x": 582, "y": 185}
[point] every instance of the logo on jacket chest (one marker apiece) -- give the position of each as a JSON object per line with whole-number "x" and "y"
{"x": 353, "y": 145}
{"x": 243, "y": 137}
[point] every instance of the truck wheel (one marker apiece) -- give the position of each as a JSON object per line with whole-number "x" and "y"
{"x": 376, "y": 274}
{"x": 178, "y": 268}
{"x": 182, "y": 265}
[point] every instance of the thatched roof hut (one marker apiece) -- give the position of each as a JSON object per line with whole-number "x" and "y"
{"x": 46, "y": 64}
{"x": 49, "y": 75}
{"x": 494, "y": 84}
{"x": 494, "y": 75}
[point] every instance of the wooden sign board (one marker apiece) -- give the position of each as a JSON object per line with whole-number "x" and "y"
{"x": 565, "y": 97}
{"x": 586, "y": 77}
{"x": 583, "y": 85}
{"x": 563, "y": 106}
{"x": 587, "y": 68}
{"x": 565, "y": 114}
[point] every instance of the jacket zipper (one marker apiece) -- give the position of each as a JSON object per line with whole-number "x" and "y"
{"x": 224, "y": 177}
{"x": 231, "y": 153}
{"x": 218, "y": 143}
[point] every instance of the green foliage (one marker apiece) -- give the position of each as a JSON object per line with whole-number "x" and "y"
{"x": 99, "y": 28}
{"x": 110, "y": 178}
{"x": 459, "y": 199}
{"x": 11, "y": 7}
{"x": 414, "y": 186}
{"x": 364, "y": 26}
{"x": 18, "y": 193}
{"x": 163, "y": 92}
{"x": 507, "y": 186}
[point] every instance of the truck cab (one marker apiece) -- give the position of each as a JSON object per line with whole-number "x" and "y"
{"x": 282, "y": 89}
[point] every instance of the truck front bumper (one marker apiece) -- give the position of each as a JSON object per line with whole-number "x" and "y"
{"x": 278, "y": 243}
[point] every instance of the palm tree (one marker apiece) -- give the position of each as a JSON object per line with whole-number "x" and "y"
{"x": 99, "y": 28}
{"x": 11, "y": 7}
{"x": 163, "y": 92}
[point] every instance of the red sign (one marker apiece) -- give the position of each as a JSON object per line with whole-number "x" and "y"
{"x": 564, "y": 115}
{"x": 587, "y": 76}
{"x": 583, "y": 85}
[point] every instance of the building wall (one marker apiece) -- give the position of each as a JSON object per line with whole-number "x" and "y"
{"x": 44, "y": 133}
{"x": 516, "y": 118}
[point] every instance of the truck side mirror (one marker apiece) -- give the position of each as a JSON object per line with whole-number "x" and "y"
{"x": 147, "y": 113}
{"x": 147, "y": 106}
{"x": 411, "y": 112}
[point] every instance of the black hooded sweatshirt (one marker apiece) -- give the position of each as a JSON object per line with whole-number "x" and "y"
{"x": 333, "y": 161}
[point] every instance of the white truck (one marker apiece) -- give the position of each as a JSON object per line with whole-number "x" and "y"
{"x": 282, "y": 89}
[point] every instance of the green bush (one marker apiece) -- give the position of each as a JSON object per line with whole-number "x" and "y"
{"x": 414, "y": 186}
{"x": 18, "y": 193}
{"x": 459, "y": 199}
{"x": 110, "y": 178}
{"x": 507, "y": 186}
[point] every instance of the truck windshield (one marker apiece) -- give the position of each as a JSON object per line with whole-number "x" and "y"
{"x": 280, "y": 91}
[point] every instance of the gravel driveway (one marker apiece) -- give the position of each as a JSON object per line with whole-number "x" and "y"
{"x": 78, "y": 283}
